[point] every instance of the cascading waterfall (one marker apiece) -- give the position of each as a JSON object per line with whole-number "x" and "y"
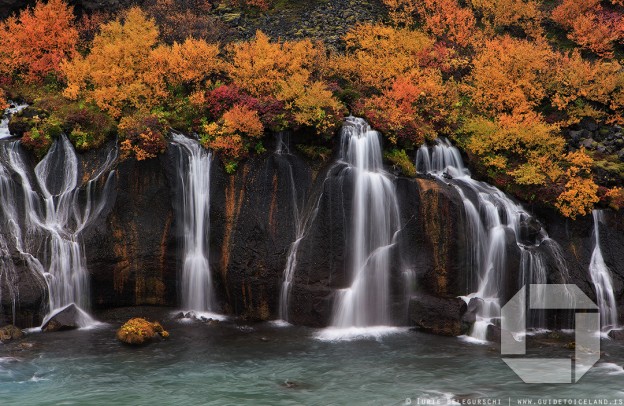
{"x": 55, "y": 210}
{"x": 4, "y": 120}
{"x": 374, "y": 224}
{"x": 601, "y": 277}
{"x": 194, "y": 179}
{"x": 489, "y": 215}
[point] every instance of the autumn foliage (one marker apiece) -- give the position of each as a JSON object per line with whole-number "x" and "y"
{"x": 141, "y": 136}
{"x": 492, "y": 75}
{"x": 591, "y": 25}
{"x": 35, "y": 43}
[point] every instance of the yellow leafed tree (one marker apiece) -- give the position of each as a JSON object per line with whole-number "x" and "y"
{"x": 113, "y": 73}
{"x": 377, "y": 55}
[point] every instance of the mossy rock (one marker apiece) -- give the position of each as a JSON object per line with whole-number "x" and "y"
{"x": 139, "y": 331}
{"x": 10, "y": 332}
{"x": 26, "y": 120}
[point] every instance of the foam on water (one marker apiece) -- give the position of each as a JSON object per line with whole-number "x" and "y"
{"x": 197, "y": 315}
{"x": 610, "y": 368}
{"x": 358, "y": 333}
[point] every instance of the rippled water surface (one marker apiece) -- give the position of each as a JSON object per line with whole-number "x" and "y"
{"x": 266, "y": 364}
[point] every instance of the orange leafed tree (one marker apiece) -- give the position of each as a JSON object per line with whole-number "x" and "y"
{"x": 260, "y": 67}
{"x": 511, "y": 75}
{"x": 413, "y": 109}
{"x": 498, "y": 15}
{"x": 590, "y": 25}
{"x": 580, "y": 193}
{"x": 234, "y": 132}
{"x": 190, "y": 64}
{"x": 3, "y": 101}
{"x": 592, "y": 89}
{"x": 521, "y": 146}
{"x": 377, "y": 55}
{"x": 444, "y": 19}
{"x": 402, "y": 12}
{"x": 291, "y": 72}
{"x": 38, "y": 40}
{"x": 113, "y": 73}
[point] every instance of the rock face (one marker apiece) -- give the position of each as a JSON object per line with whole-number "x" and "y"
{"x": 133, "y": 249}
{"x": 254, "y": 215}
{"x": 130, "y": 249}
{"x": 31, "y": 289}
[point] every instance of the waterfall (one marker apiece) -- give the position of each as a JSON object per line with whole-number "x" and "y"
{"x": 490, "y": 216}
{"x": 194, "y": 180}
{"x": 601, "y": 278}
{"x": 4, "y": 120}
{"x": 374, "y": 223}
{"x": 55, "y": 210}
{"x": 282, "y": 148}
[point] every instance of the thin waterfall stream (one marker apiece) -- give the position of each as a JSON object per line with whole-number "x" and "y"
{"x": 602, "y": 280}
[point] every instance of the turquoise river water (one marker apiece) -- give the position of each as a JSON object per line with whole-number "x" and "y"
{"x": 267, "y": 364}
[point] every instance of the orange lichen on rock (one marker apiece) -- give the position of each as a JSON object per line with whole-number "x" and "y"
{"x": 139, "y": 331}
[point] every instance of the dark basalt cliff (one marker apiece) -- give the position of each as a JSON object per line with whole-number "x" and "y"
{"x": 133, "y": 248}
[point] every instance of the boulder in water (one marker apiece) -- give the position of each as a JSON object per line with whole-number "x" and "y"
{"x": 474, "y": 307}
{"x": 66, "y": 319}
{"x": 617, "y": 335}
{"x": 494, "y": 334}
{"x": 438, "y": 315}
{"x": 139, "y": 331}
{"x": 10, "y": 332}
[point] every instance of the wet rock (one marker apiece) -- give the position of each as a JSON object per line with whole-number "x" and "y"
{"x": 139, "y": 331}
{"x": 10, "y": 332}
{"x": 253, "y": 223}
{"x": 494, "y": 334}
{"x": 66, "y": 319}
{"x": 290, "y": 384}
{"x": 530, "y": 231}
{"x": 130, "y": 248}
{"x": 437, "y": 315}
{"x": 617, "y": 335}
{"x": 474, "y": 306}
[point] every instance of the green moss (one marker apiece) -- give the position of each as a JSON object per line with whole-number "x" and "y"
{"x": 315, "y": 152}
{"x": 399, "y": 158}
{"x": 231, "y": 166}
{"x": 611, "y": 164}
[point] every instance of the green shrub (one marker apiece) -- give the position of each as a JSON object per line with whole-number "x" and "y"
{"x": 399, "y": 158}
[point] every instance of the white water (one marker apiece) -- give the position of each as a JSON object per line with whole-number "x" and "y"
{"x": 53, "y": 213}
{"x": 194, "y": 177}
{"x": 374, "y": 223}
{"x": 490, "y": 216}
{"x": 601, "y": 277}
{"x": 301, "y": 228}
{"x": 4, "y": 121}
